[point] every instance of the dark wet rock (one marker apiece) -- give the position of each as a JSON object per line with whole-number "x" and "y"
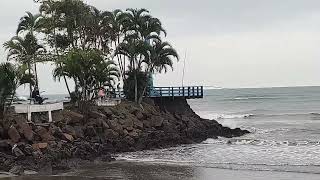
{"x": 107, "y": 158}
{"x": 17, "y": 170}
{"x": 114, "y": 125}
{"x": 55, "y": 130}
{"x": 28, "y": 149}
{"x": 4, "y": 145}
{"x": 78, "y": 132}
{"x": 111, "y": 134}
{"x": 73, "y": 117}
{"x": 44, "y": 134}
{"x": 107, "y": 112}
{"x": 90, "y": 131}
{"x": 45, "y": 169}
{"x": 40, "y": 146}
{"x": 2, "y": 132}
{"x": 137, "y": 123}
{"x": 128, "y": 124}
{"x": 25, "y": 129}
{"x": 69, "y": 130}
{"x": 14, "y": 134}
{"x": 68, "y": 137}
{"x": 97, "y": 115}
{"x": 17, "y": 152}
{"x": 156, "y": 121}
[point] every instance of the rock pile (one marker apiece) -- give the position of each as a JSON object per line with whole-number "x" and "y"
{"x": 104, "y": 130}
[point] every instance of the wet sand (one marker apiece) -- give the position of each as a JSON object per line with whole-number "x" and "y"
{"x": 122, "y": 170}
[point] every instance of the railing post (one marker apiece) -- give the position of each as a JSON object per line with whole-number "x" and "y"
{"x": 189, "y": 92}
{"x": 172, "y": 92}
{"x": 183, "y": 91}
{"x": 160, "y": 92}
{"x": 193, "y": 91}
{"x": 197, "y": 91}
{"x": 201, "y": 91}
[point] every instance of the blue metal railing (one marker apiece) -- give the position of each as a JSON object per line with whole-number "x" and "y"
{"x": 189, "y": 92}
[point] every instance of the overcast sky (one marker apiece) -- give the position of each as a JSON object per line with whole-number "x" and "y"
{"x": 229, "y": 43}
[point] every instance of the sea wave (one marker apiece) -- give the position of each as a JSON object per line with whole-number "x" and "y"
{"x": 217, "y": 116}
{"x": 225, "y": 116}
{"x": 312, "y": 168}
{"x": 261, "y": 142}
{"x": 241, "y": 98}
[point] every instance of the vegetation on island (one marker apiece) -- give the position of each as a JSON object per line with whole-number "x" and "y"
{"x": 92, "y": 47}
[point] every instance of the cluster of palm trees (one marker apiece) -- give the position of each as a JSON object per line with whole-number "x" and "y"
{"x": 93, "y": 48}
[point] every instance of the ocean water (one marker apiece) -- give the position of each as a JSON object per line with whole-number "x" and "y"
{"x": 285, "y": 126}
{"x": 284, "y": 143}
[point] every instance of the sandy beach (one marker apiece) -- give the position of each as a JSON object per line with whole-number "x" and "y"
{"x": 121, "y": 170}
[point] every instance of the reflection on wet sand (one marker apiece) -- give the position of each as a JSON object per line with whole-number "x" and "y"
{"x": 137, "y": 171}
{"x": 122, "y": 170}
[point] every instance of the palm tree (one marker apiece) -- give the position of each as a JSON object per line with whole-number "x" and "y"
{"x": 89, "y": 69}
{"x": 11, "y": 77}
{"x": 135, "y": 50}
{"x": 160, "y": 58}
{"x": 106, "y": 74}
{"x": 112, "y": 26}
{"x": 140, "y": 22}
{"x": 24, "y": 50}
{"x": 29, "y": 24}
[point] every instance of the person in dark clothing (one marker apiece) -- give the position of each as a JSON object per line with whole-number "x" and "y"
{"x": 36, "y": 95}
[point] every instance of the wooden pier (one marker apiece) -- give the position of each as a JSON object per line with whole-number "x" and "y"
{"x": 189, "y": 92}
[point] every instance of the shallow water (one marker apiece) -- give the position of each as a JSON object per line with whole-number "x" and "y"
{"x": 284, "y": 143}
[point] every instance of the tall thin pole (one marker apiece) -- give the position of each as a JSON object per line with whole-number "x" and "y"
{"x": 184, "y": 67}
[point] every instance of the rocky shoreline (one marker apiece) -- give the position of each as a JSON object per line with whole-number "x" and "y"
{"x": 74, "y": 139}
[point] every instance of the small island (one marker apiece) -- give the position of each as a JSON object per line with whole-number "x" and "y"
{"x": 110, "y": 56}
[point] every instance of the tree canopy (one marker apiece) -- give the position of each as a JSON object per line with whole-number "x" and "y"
{"x": 95, "y": 48}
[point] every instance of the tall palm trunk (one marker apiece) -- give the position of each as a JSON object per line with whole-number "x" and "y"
{"x": 35, "y": 71}
{"x": 30, "y": 85}
{"x": 135, "y": 87}
{"x": 34, "y": 62}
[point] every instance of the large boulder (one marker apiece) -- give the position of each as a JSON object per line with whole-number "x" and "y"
{"x": 134, "y": 133}
{"x": 79, "y": 132}
{"x": 4, "y": 144}
{"x": 73, "y": 117}
{"x": 25, "y": 129}
{"x": 111, "y": 134}
{"x": 128, "y": 124}
{"x": 39, "y": 146}
{"x": 68, "y": 137}
{"x": 69, "y": 130}
{"x": 90, "y": 131}
{"x": 107, "y": 111}
{"x": 55, "y": 131}
{"x": 156, "y": 121}
{"x": 137, "y": 123}
{"x": 17, "y": 151}
{"x": 44, "y": 134}
{"x": 14, "y": 134}
{"x": 96, "y": 115}
{"x": 114, "y": 125}
{"x": 17, "y": 170}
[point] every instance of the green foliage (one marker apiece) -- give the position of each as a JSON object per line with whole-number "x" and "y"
{"x": 89, "y": 69}
{"x": 11, "y": 77}
{"x": 129, "y": 84}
